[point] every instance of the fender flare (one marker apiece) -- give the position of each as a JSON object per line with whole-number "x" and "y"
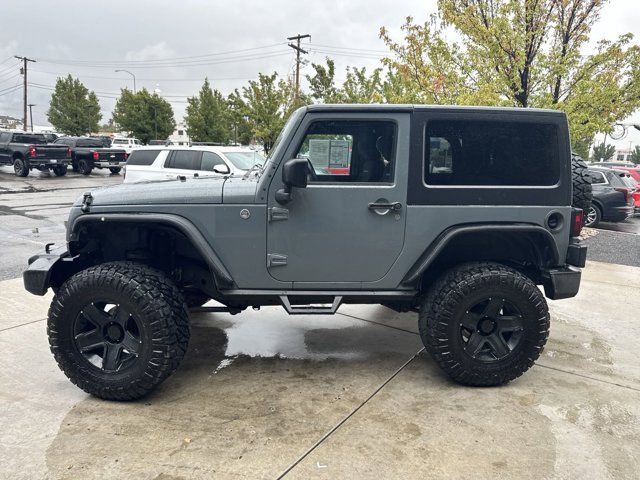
{"x": 434, "y": 249}
{"x": 221, "y": 275}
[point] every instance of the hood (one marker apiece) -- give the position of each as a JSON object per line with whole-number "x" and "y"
{"x": 192, "y": 190}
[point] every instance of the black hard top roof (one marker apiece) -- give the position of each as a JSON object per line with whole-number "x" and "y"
{"x": 389, "y": 107}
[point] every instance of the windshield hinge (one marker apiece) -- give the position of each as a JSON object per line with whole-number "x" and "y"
{"x": 87, "y": 200}
{"x": 276, "y": 260}
{"x": 277, "y": 213}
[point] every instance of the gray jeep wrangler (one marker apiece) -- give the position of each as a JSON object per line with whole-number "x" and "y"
{"x": 455, "y": 213}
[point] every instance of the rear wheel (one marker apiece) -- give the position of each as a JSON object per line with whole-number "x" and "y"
{"x": 83, "y": 167}
{"x": 117, "y": 330}
{"x": 484, "y": 323}
{"x": 20, "y": 167}
{"x": 593, "y": 217}
{"x": 115, "y": 170}
{"x": 60, "y": 170}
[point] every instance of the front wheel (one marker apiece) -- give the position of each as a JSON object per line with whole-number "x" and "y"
{"x": 20, "y": 167}
{"x": 118, "y": 329}
{"x": 484, "y": 323}
{"x": 83, "y": 167}
{"x": 60, "y": 170}
{"x": 115, "y": 170}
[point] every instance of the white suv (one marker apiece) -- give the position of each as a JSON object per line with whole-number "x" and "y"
{"x": 171, "y": 162}
{"x": 128, "y": 144}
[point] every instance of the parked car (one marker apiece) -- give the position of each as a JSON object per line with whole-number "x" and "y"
{"x": 26, "y": 151}
{"x": 612, "y": 163}
{"x": 88, "y": 153}
{"x": 161, "y": 163}
{"x": 634, "y": 185}
{"x": 448, "y": 229}
{"x": 127, "y": 143}
{"x": 612, "y": 196}
{"x": 633, "y": 171}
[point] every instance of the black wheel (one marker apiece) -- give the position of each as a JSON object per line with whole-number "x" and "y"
{"x": 195, "y": 299}
{"x": 21, "y": 167}
{"x": 484, "y": 323}
{"x": 582, "y": 192}
{"x": 60, "y": 170}
{"x": 593, "y": 216}
{"x": 115, "y": 170}
{"x": 83, "y": 167}
{"x": 118, "y": 329}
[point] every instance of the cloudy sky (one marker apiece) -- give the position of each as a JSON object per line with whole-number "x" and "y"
{"x": 172, "y": 46}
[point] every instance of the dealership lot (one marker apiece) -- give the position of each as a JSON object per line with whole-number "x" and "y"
{"x": 261, "y": 394}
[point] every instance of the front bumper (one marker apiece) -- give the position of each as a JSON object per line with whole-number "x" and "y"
{"x": 39, "y": 274}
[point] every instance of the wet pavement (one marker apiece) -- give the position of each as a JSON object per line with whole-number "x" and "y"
{"x": 262, "y": 394}
{"x": 630, "y": 225}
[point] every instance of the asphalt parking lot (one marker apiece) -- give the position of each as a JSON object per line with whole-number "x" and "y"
{"x": 262, "y": 395}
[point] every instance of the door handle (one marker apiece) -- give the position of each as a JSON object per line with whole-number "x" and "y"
{"x": 392, "y": 206}
{"x": 196, "y": 175}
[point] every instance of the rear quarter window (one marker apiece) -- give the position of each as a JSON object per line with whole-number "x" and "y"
{"x": 142, "y": 157}
{"x": 491, "y": 153}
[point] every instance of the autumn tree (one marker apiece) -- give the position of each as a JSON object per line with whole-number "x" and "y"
{"x": 524, "y": 53}
{"x": 207, "y": 116}
{"x": 635, "y": 155}
{"x": 73, "y": 109}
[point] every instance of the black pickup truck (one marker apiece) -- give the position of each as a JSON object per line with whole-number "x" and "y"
{"x": 26, "y": 151}
{"x": 88, "y": 153}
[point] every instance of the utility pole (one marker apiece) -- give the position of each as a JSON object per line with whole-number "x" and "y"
{"x": 31, "y": 105}
{"x": 25, "y": 60}
{"x": 298, "y": 50}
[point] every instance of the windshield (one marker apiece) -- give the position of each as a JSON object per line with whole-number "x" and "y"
{"x": 35, "y": 139}
{"x": 245, "y": 160}
{"x": 293, "y": 119}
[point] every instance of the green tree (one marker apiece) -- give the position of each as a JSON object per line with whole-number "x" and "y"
{"x": 144, "y": 115}
{"x": 267, "y": 104}
{"x": 207, "y": 116}
{"x": 359, "y": 87}
{"x": 73, "y": 109}
{"x": 323, "y": 84}
{"x": 241, "y": 130}
{"x": 635, "y": 155}
{"x": 525, "y": 53}
{"x": 603, "y": 152}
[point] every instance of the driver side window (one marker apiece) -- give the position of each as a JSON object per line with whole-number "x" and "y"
{"x": 354, "y": 151}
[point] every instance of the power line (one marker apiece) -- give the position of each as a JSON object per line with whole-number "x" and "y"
{"x": 149, "y": 79}
{"x": 165, "y": 59}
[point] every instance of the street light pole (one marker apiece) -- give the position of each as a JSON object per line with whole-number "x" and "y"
{"x": 134, "y": 78}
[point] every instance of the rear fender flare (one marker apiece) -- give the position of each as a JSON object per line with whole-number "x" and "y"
{"x": 431, "y": 253}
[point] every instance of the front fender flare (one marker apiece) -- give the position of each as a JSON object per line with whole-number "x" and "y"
{"x": 221, "y": 275}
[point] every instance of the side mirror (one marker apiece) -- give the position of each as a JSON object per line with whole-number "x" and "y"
{"x": 222, "y": 169}
{"x": 294, "y": 174}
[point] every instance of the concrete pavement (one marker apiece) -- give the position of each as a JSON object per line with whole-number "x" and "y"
{"x": 262, "y": 394}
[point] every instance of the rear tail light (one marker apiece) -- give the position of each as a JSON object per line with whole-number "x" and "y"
{"x": 126, "y": 155}
{"x": 68, "y": 153}
{"x": 96, "y": 156}
{"x": 577, "y": 221}
{"x": 624, "y": 191}
{"x": 32, "y": 151}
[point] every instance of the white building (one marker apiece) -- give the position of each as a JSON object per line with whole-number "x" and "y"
{"x": 179, "y": 135}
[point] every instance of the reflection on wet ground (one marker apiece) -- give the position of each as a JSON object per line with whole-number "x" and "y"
{"x": 251, "y": 395}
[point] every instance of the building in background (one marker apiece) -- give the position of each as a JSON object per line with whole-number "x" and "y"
{"x": 179, "y": 135}
{"x": 9, "y": 122}
{"x": 623, "y": 155}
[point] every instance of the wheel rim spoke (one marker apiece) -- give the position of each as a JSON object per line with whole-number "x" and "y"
{"x": 498, "y": 345}
{"x": 131, "y": 344}
{"x": 96, "y": 316}
{"x": 89, "y": 340}
{"x": 120, "y": 315}
{"x": 510, "y": 323}
{"x": 470, "y": 321}
{"x": 110, "y": 360}
{"x": 475, "y": 344}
